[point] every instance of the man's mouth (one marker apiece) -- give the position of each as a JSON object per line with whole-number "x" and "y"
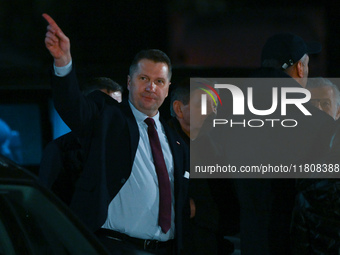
{"x": 148, "y": 97}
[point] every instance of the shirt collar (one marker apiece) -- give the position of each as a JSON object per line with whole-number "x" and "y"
{"x": 140, "y": 117}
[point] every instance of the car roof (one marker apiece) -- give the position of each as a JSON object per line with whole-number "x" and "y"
{"x": 12, "y": 172}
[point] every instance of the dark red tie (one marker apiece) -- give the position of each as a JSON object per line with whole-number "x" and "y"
{"x": 164, "y": 217}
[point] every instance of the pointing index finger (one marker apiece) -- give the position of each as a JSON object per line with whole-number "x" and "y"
{"x": 50, "y": 21}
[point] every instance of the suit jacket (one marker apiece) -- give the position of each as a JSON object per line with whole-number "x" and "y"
{"x": 110, "y": 136}
{"x": 61, "y": 165}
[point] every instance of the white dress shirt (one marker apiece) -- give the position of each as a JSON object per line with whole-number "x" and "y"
{"x": 134, "y": 210}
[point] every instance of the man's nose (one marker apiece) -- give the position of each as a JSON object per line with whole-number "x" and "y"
{"x": 151, "y": 86}
{"x": 317, "y": 104}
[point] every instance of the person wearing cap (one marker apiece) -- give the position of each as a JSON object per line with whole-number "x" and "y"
{"x": 266, "y": 204}
{"x": 289, "y": 53}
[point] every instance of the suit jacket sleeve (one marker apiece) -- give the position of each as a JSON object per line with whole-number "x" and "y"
{"x": 76, "y": 110}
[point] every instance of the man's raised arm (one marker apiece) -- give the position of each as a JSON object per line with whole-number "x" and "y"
{"x": 57, "y": 43}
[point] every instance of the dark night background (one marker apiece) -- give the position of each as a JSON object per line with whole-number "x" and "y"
{"x": 203, "y": 38}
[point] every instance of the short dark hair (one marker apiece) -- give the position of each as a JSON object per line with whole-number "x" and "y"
{"x": 180, "y": 93}
{"x": 184, "y": 88}
{"x": 155, "y": 55}
{"x": 98, "y": 83}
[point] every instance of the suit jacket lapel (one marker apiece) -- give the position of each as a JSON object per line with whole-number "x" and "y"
{"x": 177, "y": 158}
{"x": 176, "y": 150}
{"x": 133, "y": 128}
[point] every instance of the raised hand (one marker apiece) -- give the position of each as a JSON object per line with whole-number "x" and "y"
{"x": 57, "y": 43}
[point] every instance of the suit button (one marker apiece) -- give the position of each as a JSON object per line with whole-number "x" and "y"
{"x": 123, "y": 180}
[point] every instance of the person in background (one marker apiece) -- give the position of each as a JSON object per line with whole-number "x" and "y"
{"x": 106, "y": 85}
{"x": 185, "y": 109}
{"x": 316, "y": 224}
{"x": 211, "y": 200}
{"x": 325, "y": 96}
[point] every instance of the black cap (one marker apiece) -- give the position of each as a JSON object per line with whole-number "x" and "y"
{"x": 287, "y": 49}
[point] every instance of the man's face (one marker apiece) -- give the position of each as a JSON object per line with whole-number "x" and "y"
{"x": 148, "y": 86}
{"x": 324, "y": 98}
{"x": 189, "y": 115}
{"x": 193, "y": 110}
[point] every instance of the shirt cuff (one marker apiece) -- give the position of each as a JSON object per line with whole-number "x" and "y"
{"x": 62, "y": 71}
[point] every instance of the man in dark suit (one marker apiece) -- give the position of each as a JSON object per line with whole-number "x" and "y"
{"x": 209, "y": 198}
{"x": 118, "y": 192}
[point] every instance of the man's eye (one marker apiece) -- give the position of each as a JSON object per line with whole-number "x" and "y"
{"x": 325, "y": 104}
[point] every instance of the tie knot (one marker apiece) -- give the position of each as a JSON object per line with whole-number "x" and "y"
{"x": 150, "y": 122}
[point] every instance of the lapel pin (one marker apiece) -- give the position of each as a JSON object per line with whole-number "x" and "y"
{"x": 178, "y": 142}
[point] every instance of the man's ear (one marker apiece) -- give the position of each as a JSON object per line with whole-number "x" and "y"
{"x": 300, "y": 69}
{"x": 168, "y": 90}
{"x": 177, "y": 106}
{"x": 128, "y": 82}
{"x": 337, "y": 113}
